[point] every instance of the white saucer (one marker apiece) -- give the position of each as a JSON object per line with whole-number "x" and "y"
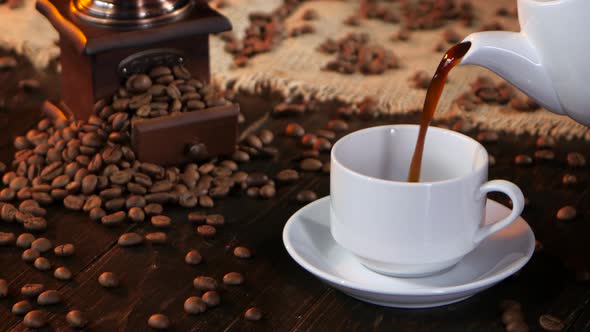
{"x": 308, "y": 240}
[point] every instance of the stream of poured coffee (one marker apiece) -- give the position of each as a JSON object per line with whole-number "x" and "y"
{"x": 451, "y": 58}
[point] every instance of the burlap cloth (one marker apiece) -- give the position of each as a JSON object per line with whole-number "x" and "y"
{"x": 295, "y": 65}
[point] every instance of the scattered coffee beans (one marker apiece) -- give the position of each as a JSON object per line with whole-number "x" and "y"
{"x": 48, "y": 297}
{"x": 576, "y": 159}
{"x": 233, "y": 278}
{"x": 338, "y": 125}
{"x": 194, "y": 305}
{"x": 159, "y": 322}
{"x": 206, "y": 230}
{"x": 157, "y": 237}
{"x": 108, "y": 280}
{"x": 203, "y": 283}
{"x": 193, "y": 257}
{"x": 253, "y": 313}
{"x": 22, "y": 307}
{"x": 36, "y": 319}
{"x": 130, "y": 239}
{"x": 24, "y": 240}
{"x": 310, "y": 165}
{"x": 294, "y": 130}
{"x": 568, "y": 179}
{"x": 567, "y": 213}
{"x": 32, "y": 290}
{"x": 197, "y": 217}
{"x": 211, "y": 298}
{"x": 76, "y": 319}
{"x": 65, "y": 250}
{"x": 62, "y": 273}
{"x": 242, "y": 252}
{"x": 42, "y": 264}
{"x": 523, "y": 160}
{"x": 551, "y": 323}
{"x": 7, "y": 239}
{"x": 42, "y": 245}
{"x": 215, "y": 220}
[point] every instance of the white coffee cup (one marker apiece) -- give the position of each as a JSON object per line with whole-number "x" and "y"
{"x": 407, "y": 229}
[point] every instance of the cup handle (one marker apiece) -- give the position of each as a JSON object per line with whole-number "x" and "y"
{"x": 515, "y": 194}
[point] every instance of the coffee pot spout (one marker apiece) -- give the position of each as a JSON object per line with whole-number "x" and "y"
{"x": 512, "y": 56}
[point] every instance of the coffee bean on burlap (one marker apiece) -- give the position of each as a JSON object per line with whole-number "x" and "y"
{"x": 211, "y": 298}
{"x": 30, "y": 255}
{"x": 129, "y": 239}
{"x": 35, "y": 319}
{"x": 49, "y": 297}
{"x": 233, "y": 278}
{"x": 62, "y": 273}
{"x": 22, "y": 307}
{"x": 108, "y": 280}
{"x": 242, "y": 252}
{"x": 7, "y": 239}
{"x": 76, "y": 319}
{"x": 567, "y": 213}
{"x": 306, "y": 196}
{"x": 193, "y": 257}
{"x": 204, "y": 283}
{"x": 42, "y": 244}
{"x": 194, "y": 305}
{"x": 253, "y": 314}
{"x": 24, "y": 240}
{"x": 65, "y": 250}
{"x": 158, "y": 322}
{"x": 488, "y": 137}
{"x": 42, "y": 263}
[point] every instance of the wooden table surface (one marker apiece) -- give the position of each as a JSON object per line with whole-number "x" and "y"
{"x": 156, "y": 279}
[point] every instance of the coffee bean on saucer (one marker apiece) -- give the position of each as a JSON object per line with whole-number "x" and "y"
{"x": 310, "y": 164}
{"x": 233, "y": 278}
{"x": 76, "y": 319}
{"x": 253, "y": 313}
{"x": 130, "y": 239}
{"x": 7, "y": 239}
{"x": 3, "y": 288}
{"x": 194, "y": 305}
{"x": 206, "y": 230}
{"x": 211, "y": 298}
{"x": 242, "y": 252}
{"x": 48, "y": 297}
{"x": 22, "y": 307}
{"x": 35, "y": 319}
{"x": 157, "y": 237}
{"x": 193, "y": 257}
{"x": 24, "y": 240}
{"x": 62, "y": 273}
{"x": 41, "y": 245}
{"x": 551, "y": 323}
{"x": 108, "y": 280}
{"x": 42, "y": 264}
{"x": 159, "y": 322}
{"x": 32, "y": 290}
{"x": 294, "y": 130}
{"x": 576, "y": 159}
{"x": 65, "y": 250}
{"x": 306, "y": 196}
{"x": 523, "y": 160}
{"x": 568, "y": 179}
{"x": 203, "y": 283}
{"x": 567, "y": 213}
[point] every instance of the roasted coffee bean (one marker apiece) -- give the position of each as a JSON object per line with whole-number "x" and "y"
{"x": 239, "y": 177}
{"x": 240, "y": 156}
{"x": 256, "y": 179}
{"x": 544, "y": 155}
{"x": 7, "y": 194}
{"x": 18, "y": 183}
{"x": 206, "y": 201}
{"x": 510, "y": 305}
{"x": 294, "y": 130}
{"x": 20, "y": 217}
{"x": 253, "y": 192}
{"x": 194, "y": 305}
{"x": 159, "y": 322}
{"x": 254, "y": 141}
{"x": 551, "y": 323}
{"x": 512, "y": 315}
{"x": 48, "y": 297}
{"x": 115, "y": 204}
{"x": 130, "y": 239}
{"x": 306, "y": 196}
{"x": 308, "y": 139}
{"x": 136, "y": 214}
{"x": 204, "y": 283}
{"x": 215, "y": 220}
{"x": 516, "y": 326}
{"x": 197, "y": 217}
{"x": 24, "y": 240}
{"x": 76, "y": 319}
{"x": 161, "y": 186}
{"x": 32, "y": 290}
{"x": 114, "y": 218}
{"x": 158, "y": 71}
{"x": 310, "y": 164}
{"x": 8, "y": 62}
{"x": 138, "y": 83}
{"x": 523, "y": 160}
{"x": 161, "y": 221}
{"x": 193, "y": 257}
{"x": 576, "y": 159}
{"x": 338, "y": 125}
{"x": 92, "y": 202}
{"x": 8, "y": 212}
{"x": 65, "y": 250}
{"x": 72, "y": 188}
{"x": 74, "y": 202}
{"x": 30, "y": 255}
{"x": 153, "y": 209}
{"x": 206, "y": 230}
{"x": 266, "y": 136}
{"x": 211, "y": 298}
{"x": 568, "y": 179}
{"x": 96, "y": 214}
{"x": 22, "y": 307}
{"x": 62, "y": 273}
{"x": 111, "y": 193}
{"x": 35, "y": 224}
{"x": 157, "y": 237}
{"x": 546, "y": 142}
{"x": 233, "y": 278}
{"x": 242, "y": 252}
{"x": 35, "y": 319}
{"x": 121, "y": 177}
{"x": 159, "y": 198}
{"x": 42, "y": 244}
{"x": 253, "y": 313}
{"x": 108, "y": 280}
{"x": 567, "y": 213}
{"x": 488, "y": 137}
{"x": 7, "y": 239}
{"x": 42, "y": 264}
{"x": 322, "y": 145}
{"x": 267, "y": 191}
{"x": 3, "y": 288}
{"x": 136, "y": 189}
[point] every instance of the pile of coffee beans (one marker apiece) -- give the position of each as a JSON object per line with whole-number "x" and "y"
{"x": 355, "y": 54}
{"x": 485, "y": 91}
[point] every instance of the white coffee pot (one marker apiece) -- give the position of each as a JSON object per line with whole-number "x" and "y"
{"x": 549, "y": 59}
